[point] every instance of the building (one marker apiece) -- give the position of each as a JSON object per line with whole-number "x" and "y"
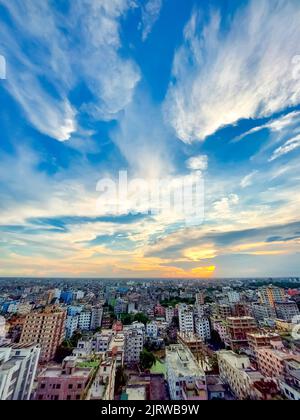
{"x": 84, "y": 321}
{"x": 200, "y": 299}
{"x": 186, "y": 319}
{"x": 220, "y": 326}
{"x": 261, "y": 312}
{"x": 46, "y": 328}
{"x": 263, "y": 340}
{"x": 237, "y": 330}
{"x": 271, "y": 362}
{"x": 170, "y": 313}
{"x": 286, "y": 310}
{"x": 152, "y": 329}
{"x": 96, "y": 317}
{"x": 202, "y": 328}
{"x": 18, "y": 366}
{"x": 224, "y": 311}
{"x": 186, "y": 379}
{"x": 271, "y": 294}
{"x": 71, "y": 325}
{"x": 233, "y": 296}
{"x": 116, "y": 349}
{"x": 236, "y": 371}
{"x": 101, "y": 341}
{"x": 120, "y": 307}
{"x": 66, "y": 382}
{"x": 134, "y": 343}
{"x": 289, "y": 383}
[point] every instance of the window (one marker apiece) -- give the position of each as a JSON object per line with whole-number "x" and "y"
{"x": 70, "y": 386}
{"x": 69, "y": 397}
{"x": 78, "y": 397}
{"x": 79, "y": 386}
{"x": 43, "y": 386}
{"x": 40, "y": 397}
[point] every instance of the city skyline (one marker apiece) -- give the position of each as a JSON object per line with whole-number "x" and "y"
{"x": 161, "y": 89}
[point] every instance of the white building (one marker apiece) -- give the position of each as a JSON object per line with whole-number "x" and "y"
{"x": 186, "y": 379}
{"x": 186, "y": 318}
{"x": 236, "y": 371}
{"x": 134, "y": 343}
{"x": 152, "y": 329}
{"x": 202, "y": 327}
{"x": 96, "y": 317}
{"x": 79, "y": 295}
{"x": 102, "y": 340}
{"x": 233, "y": 296}
{"x": 71, "y": 325}
{"x": 18, "y": 366}
{"x": 170, "y": 313}
{"x": 84, "y": 321}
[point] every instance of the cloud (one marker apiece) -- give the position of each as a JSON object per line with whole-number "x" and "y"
{"x": 288, "y": 147}
{"x": 198, "y": 163}
{"x": 43, "y": 69}
{"x": 223, "y": 75}
{"x": 150, "y": 14}
{"x": 248, "y": 179}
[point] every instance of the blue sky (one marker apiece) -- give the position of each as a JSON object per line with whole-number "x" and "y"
{"x": 161, "y": 89}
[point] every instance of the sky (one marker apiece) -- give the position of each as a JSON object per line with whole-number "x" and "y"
{"x": 164, "y": 90}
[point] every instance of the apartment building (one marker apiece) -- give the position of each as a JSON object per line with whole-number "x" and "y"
{"x": 236, "y": 371}
{"x": 286, "y": 310}
{"x": 46, "y": 328}
{"x": 185, "y": 377}
{"x": 186, "y": 319}
{"x": 18, "y": 366}
{"x": 237, "y": 330}
{"x": 263, "y": 340}
{"x": 269, "y": 295}
{"x": 202, "y": 328}
{"x": 134, "y": 342}
{"x": 271, "y": 362}
{"x": 66, "y": 382}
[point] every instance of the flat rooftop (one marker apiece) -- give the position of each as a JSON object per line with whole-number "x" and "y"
{"x": 182, "y": 362}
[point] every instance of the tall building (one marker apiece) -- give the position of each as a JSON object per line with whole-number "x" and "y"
{"x": 286, "y": 310}
{"x": 170, "y": 313}
{"x": 84, "y": 321}
{"x": 269, "y": 295}
{"x": 96, "y": 318}
{"x": 200, "y": 299}
{"x": 260, "y": 340}
{"x": 18, "y": 366}
{"x": 224, "y": 311}
{"x": 134, "y": 342}
{"x": 233, "y": 296}
{"x": 237, "y": 330}
{"x": 271, "y": 362}
{"x": 202, "y": 327}
{"x": 185, "y": 377}
{"x": 46, "y": 328}
{"x": 186, "y": 319}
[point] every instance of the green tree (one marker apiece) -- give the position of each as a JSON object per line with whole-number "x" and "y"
{"x": 147, "y": 360}
{"x": 141, "y": 318}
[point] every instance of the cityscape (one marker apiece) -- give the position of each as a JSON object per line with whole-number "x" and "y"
{"x": 149, "y": 203}
{"x": 150, "y": 340}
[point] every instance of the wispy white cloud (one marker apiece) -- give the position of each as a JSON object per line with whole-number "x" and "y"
{"x": 198, "y": 163}
{"x": 288, "y": 147}
{"x": 248, "y": 180}
{"x": 94, "y": 29}
{"x": 150, "y": 15}
{"x": 246, "y": 72}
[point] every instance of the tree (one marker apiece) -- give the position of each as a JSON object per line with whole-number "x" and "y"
{"x": 141, "y": 318}
{"x": 216, "y": 340}
{"x": 147, "y": 360}
{"x": 121, "y": 380}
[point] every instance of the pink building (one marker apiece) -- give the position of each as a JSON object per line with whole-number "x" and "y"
{"x": 68, "y": 382}
{"x": 271, "y": 362}
{"x": 159, "y": 310}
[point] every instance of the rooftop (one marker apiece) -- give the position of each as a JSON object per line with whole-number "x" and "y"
{"x": 182, "y": 362}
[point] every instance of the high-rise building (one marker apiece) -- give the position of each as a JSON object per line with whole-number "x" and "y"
{"x": 202, "y": 327}
{"x": 46, "y": 328}
{"x": 96, "y": 317}
{"x": 18, "y": 366}
{"x": 170, "y": 313}
{"x": 186, "y": 318}
{"x": 269, "y": 295}
{"x": 84, "y": 321}
{"x": 134, "y": 342}
{"x": 286, "y": 310}
{"x": 200, "y": 299}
